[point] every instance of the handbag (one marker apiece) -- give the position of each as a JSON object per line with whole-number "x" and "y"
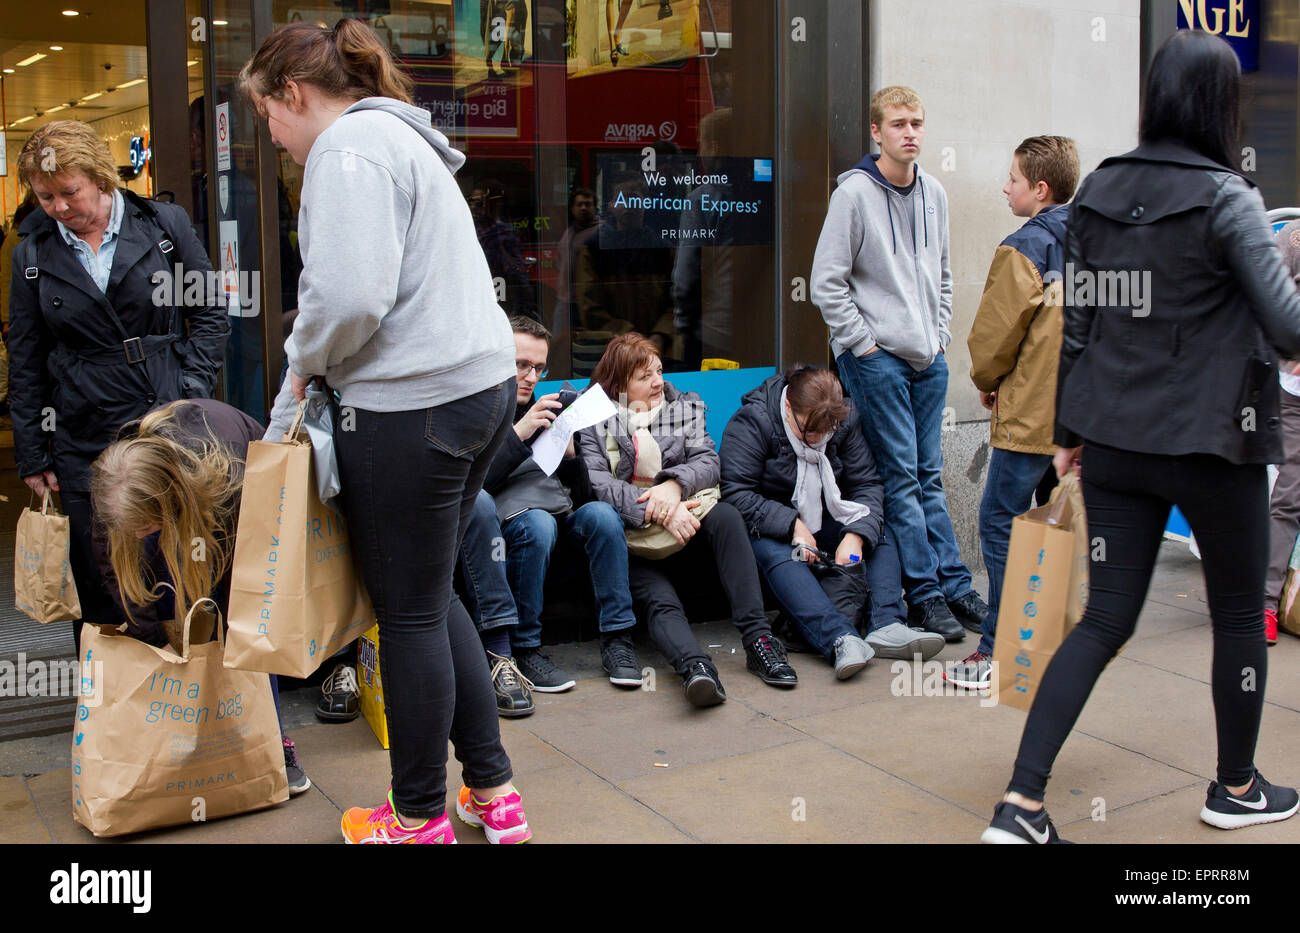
{"x": 655, "y": 542}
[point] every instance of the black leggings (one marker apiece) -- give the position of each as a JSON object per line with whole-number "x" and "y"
{"x": 1128, "y": 497}
{"x": 654, "y": 589}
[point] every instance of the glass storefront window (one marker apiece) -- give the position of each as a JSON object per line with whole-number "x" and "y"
{"x": 614, "y": 183}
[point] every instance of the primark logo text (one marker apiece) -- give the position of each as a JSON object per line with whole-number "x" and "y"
{"x": 103, "y": 886}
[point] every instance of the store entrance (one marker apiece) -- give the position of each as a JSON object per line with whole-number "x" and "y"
{"x": 91, "y": 67}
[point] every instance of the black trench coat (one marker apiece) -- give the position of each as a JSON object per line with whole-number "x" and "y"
{"x": 97, "y": 360}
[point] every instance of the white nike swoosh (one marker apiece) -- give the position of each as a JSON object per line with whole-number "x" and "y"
{"x": 1259, "y": 804}
{"x": 1039, "y": 837}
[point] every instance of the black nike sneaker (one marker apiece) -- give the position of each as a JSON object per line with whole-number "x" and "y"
{"x": 1261, "y": 803}
{"x": 1013, "y": 825}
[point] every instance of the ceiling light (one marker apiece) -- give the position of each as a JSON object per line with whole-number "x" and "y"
{"x": 57, "y": 109}
{"x": 56, "y": 48}
{"x": 191, "y": 63}
{"x": 31, "y": 59}
{"x": 9, "y": 71}
{"x": 92, "y": 96}
{"x": 23, "y": 120}
{"x": 131, "y": 83}
{"x": 71, "y": 12}
{"x": 221, "y": 22}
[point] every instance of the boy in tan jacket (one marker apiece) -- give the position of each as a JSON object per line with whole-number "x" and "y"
{"x": 1015, "y": 343}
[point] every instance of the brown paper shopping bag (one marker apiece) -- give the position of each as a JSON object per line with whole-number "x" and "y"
{"x": 295, "y": 597}
{"x": 1288, "y": 607}
{"x": 1044, "y": 591}
{"x": 43, "y": 584}
{"x": 164, "y": 738}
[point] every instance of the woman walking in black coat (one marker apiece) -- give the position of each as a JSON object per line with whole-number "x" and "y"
{"x": 98, "y": 332}
{"x": 1168, "y": 390}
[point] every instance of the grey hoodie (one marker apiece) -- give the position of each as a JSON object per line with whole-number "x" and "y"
{"x": 396, "y": 307}
{"x": 878, "y": 280}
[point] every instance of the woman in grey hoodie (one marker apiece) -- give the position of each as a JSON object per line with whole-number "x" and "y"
{"x": 398, "y": 314}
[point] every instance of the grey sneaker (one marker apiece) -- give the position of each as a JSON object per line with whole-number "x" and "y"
{"x": 851, "y": 656}
{"x": 974, "y": 672}
{"x": 896, "y": 640}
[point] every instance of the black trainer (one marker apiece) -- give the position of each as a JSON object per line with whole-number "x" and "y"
{"x": 1017, "y": 826}
{"x": 340, "y": 696}
{"x": 703, "y": 688}
{"x": 513, "y": 697}
{"x": 766, "y": 658}
{"x": 541, "y": 671}
{"x": 299, "y": 783}
{"x": 933, "y": 615}
{"x": 1261, "y": 803}
{"x": 970, "y": 611}
{"x": 618, "y": 658}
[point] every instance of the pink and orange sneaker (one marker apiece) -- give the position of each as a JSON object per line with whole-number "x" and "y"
{"x": 380, "y": 826}
{"x": 502, "y": 818}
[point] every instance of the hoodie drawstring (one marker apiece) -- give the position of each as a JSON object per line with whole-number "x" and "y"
{"x": 890, "y": 211}
{"x": 924, "y": 224}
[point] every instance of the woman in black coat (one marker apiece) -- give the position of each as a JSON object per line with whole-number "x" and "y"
{"x": 98, "y": 333}
{"x": 798, "y": 417}
{"x": 1168, "y": 392}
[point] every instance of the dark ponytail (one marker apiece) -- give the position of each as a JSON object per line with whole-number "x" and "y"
{"x": 346, "y": 61}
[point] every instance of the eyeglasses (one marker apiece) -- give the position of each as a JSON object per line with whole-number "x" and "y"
{"x": 523, "y": 369}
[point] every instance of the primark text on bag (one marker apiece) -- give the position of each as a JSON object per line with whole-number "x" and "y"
{"x": 165, "y": 737}
{"x": 295, "y": 595}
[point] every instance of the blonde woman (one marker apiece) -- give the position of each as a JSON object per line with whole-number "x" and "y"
{"x": 173, "y": 480}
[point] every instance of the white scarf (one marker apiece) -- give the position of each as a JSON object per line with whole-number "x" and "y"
{"x": 649, "y": 458}
{"x": 812, "y": 486}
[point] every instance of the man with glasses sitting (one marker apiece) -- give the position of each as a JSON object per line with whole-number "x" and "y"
{"x": 526, "y": 510}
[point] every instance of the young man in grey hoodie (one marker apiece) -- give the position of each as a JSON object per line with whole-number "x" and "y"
{"x": 882, "y": 283}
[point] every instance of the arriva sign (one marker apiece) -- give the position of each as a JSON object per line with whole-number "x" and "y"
{"x": 1236, "y": 21}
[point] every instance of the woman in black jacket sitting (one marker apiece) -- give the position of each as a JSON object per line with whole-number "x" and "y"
{"x": 1168, "y": 389}
{"x": 796, "y": 464}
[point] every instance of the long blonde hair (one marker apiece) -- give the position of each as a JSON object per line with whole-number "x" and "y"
{"x": 161, "y": 476}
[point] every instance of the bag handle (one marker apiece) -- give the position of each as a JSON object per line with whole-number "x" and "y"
{"x": 296, "y": 425}
{"x": 47, "y": 500}
{"x": 1061, "y": 497}
{"x": 189, "y": 619}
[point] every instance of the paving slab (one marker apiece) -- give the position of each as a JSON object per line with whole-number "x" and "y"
{"x": 621, "y": 734}
{"x": 1173, "y": 818}
{"x": 20, "y": 819}
{"x": 802, "y": 792}
{"x": 963, "y": 753}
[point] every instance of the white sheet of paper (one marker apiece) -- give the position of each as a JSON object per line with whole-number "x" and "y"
{"x": 592, "y": 407}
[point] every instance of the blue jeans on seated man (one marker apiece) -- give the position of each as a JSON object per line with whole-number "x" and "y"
{"x": 483, "y": 569}
{"x": 824, "y": 603}
{"x": 530, "y": 538}
{"x": 1008, "y": 492}
{"x": 902, "y": 417}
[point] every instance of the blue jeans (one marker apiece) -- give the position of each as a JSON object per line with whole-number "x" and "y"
{"x": 824, "y": 603}
{"x": 530, "y": 538}
{"x": 902, "y": 416}
{"x": 1008, "y": 492}
{"x": 483, "y": 569}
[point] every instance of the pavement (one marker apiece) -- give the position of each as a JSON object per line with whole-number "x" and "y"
{"x": 828, "y": 761}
